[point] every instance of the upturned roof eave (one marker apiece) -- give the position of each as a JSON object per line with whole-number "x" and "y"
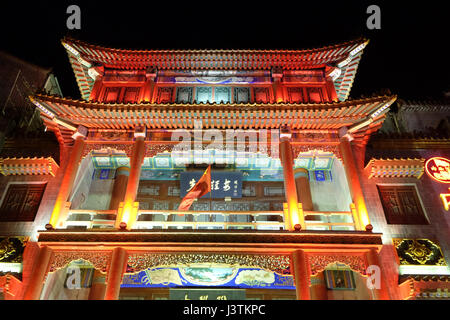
{"x": 115, "y": 106}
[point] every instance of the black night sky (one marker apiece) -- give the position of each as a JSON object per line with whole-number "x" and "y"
{"x": 408, "y": 56}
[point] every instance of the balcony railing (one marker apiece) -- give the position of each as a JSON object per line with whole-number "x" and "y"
{"x": 225, "y": 220}
{"x": 259, "y": 220}
{"x": 323, "y": 220}
{"x": 91, "y": 219}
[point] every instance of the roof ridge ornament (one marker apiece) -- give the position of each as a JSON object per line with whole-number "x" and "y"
{"x": 96, "y": 71}
{"x": 81, "y": 132}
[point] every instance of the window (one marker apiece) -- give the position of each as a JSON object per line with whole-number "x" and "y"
{"x": 295, "y": 95}
{"x": 21, "y": 202}
{"x": 121, "y": 94}
{"x": 203, "y": 94}
{"x": 274, "y": 191}
{"x": 184, "y": 94}
{"x": 249, "y": 191}
{"x": 222, "y": 94}
{"x": 315, "y": 94}
{"x": 149, "y": 190}
{"x": 173, "y": 191}
{"x": 131, "y": 95}
{"x": 401, "y": 205}
{"x": 111, "y": 94}
{"x": 164, "y": 95}
{"x": 241, "y": 95}
{"x": 261, "y": 95}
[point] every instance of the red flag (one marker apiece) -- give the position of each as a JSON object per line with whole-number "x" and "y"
{"x": 202, "y": 187}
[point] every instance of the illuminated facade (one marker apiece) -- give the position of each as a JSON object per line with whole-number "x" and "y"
{"x": 306, "y": 202}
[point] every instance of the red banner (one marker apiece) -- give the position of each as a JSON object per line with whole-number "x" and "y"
{"x": 202, "y": 187}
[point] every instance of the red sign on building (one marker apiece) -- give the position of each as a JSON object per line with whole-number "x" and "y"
{"x": 439, "y": 169}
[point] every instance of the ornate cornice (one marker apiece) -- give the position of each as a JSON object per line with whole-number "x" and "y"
{"x": 213, "y": 236}
{"x": 395, "y": 168}
{"x": 28, "y": 166}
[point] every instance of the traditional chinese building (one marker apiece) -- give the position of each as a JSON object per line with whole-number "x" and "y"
{"x": 306, "y": 202}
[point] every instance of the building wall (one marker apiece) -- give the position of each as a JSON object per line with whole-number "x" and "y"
{"x": 438, "y": 230}
{"x": 331, "y": 195}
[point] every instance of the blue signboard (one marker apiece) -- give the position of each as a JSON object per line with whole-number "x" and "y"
{"x": 223, "y": 184}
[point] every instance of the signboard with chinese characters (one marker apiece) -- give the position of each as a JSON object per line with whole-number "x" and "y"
{"x": 223, "y": 184}
{"x": 438, "y": 169}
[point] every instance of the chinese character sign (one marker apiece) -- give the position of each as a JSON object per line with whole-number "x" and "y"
{"x": 223, "y": 184}
{"x": 438, "y": 169}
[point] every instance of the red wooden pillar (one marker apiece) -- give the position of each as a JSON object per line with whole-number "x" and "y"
{"x": 303, "y": 189}
{"x": 287, "y": 161}
{"x": 34, "y": 288}
{"x": 115, "y": 273}
{"x": 127, "y": 213}
{"x": 277, "y": 88}
{"x": 301, "y": 275}
{"x": 59, "y": 214}
{"x": 149, "y": 85}
{"x": 319, "y": 288}
{"x": 98, "y": 287}
{"x": 353, "y": 181}
{"x": 373, "y": 259}
{"x": 119, "y": 188}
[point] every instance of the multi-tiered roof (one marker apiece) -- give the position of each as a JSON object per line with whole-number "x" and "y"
{"x": 344, "y": 57}
{"x": 339, "y": 61}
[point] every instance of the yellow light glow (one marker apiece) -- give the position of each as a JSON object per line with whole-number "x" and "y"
{"x": 294, "y": 217}
{"x": 364, "y": 217}
{"x": 127, "y": 208}
{"x": 445, "y": 197}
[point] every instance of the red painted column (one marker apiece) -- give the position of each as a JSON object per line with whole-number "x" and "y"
{"x": 98, "y": 287}
{"x": 319, "y": 288}
{"x": 115, "y": 273}
{"x": 59, "y": 214}
{"x": 149, "y": 85}
{"x": 34, "y": 288}
{"x": 303, "y": 189}
{"x": 353, "y": 181}
{"x": 128, "y": 213}
{"x": 119, "y": 188}
{"x": 287, "y": 162}
{"x": 277, "y": 88}
{"x": 373, "y": 259}
{"x": 301, "y": 275}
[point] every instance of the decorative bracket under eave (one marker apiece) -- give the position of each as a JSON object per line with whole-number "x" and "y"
{"x": 28, "y": 166}
{"x": 395, "y": 168}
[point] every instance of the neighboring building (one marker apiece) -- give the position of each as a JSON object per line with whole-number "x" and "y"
{"x": 304, "y": 203}
{"x": 27, "y": 150}
{"x": 410, "y": 205}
